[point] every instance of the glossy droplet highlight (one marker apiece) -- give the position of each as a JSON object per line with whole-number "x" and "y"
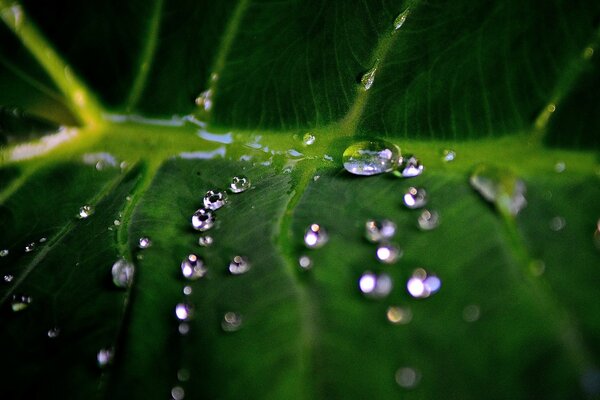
{"x": 388, "y": 253}
{"x": 214, "y": 199}
{"x": 375, "y": 286}
{"x": 377, "y": 231}
{"x": 368, "y": 78}
{"x": 203, "y": 220}
{"x": 85, "y": 211}
{"x": 558, "y": 223}
{"x": 30, "y": 247}
{"x": 415, "y": 198}
{"x": 122, "y": 273}
{"x": 184, "y": 312}
{"x": 4, "y": 252}
{"x": 193, "y": 268}
{"x": 428, "y": 220}
{"x": 422, "y": 285}
{"x": 53, "y": 333}
{"x": 409, "y": 166}
{"x": 8, "y": 278}
{"x": 399, "y": 315}
{"x": 308, "y": 139}
{"x": 204, "y": 100}
{"x": 400, "y": 19}
{"x": 500, "y": 187}
{"x": 239, "y": 265}
{"x": 305, "y": 262}
{"x": 104, "y": 357}
{"x": 231, "y": 322}
{"x": 239, "y": 184}
{"x": 144, "y": 242}
{"x": 20, "y": 302}
{"x": 448, "y": 155}
{"x": 407, "y": 377}
{"x": 315, "y": 236}
{"x": 177, "y": 393}
{"x": 187, "y": 290}
{"x": 371, "y": 157}
{"x": 560, "y": 167}
{"x": 205, "y": 241}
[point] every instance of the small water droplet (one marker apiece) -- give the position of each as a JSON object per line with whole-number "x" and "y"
{"x": 4, "y": 252}
{"x": 183, "y": 328}
{"x": 560, "y": 166}
{"x": 471, "y": 313}
{"x": 409, "y": 166}
{"x": 19, "y": 302}
{"x": 400, "y": 19}
{"x": 448, "y": 155}
{"x": 204, "y": 100}
{"x": 415, "y": 198}
{"x": 305, "y": 262}
{"x": 187, "y": 290}
{"x": 53, "y": 333}
{"x": 116, "y": 222}
{"x": 377, "y": 231}
{"x": 183, "y": 375}
{"x": 422, "y": 285}
{"x": 122, "y": 273}
{"x": 42, "y": 240}
{"x": 316, "y": 178}
{"x": 231, "y": 322}
{"x": 193, "y": 267}
{"x": 407, "y": 377}
{"x": 203, "y": 220}
{"x": 558, "y": 223}
{"x": 239, "y": 265}
{"x": 375, "y": 286}
{"x": 388, "y": 253}
{"x": 85, "y": 211}
{"x": 214, "y": 199}
{"x": 315, "y": 236}
{"x": 537, "y": 267}
{"x": 205, "y": 241}
{"x": 588, "y": 52}
{"x": 399, "y": 315}
{"x": 371, "y": 157}
{"x": 184, "y": 311}
{"x": 368, "y": 77}
{"x": 428, "y": 220}
{"x": 105, "y": 357}
{"x": 144, "y": 242}
{"x": 309, "y": 139}
{"x": 500, "y": 187}
{"x": 8, "y": 278}
{"x": 30, "y": 247}
{"x": 177, "y": 393}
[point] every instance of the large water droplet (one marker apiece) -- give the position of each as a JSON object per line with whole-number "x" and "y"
{"x": 371, "y": 157}
{"x": 192, "y": 267}
{"x": 375, "y": 286}
{"x": 315, "y": 236}
{"x": 122, "y": 273}
{"x": 214, "y": 199}
{"x": 377, "y": 231}
{"x": 305, "y": 262}
{"x": 19, "y": 302}
{"x": 388, "y": 253}
{"x": 415, "y": 198}
{"x": 407, "y": 377}
{"x": 409, "y": 166}
{"x": 500, "y": 187}
{"x": 53, "y": 333}
{"x": 205, "y": 241}
{"x": 368, "y": 78}
{"x": 400, "y": 19}
{"x": 428, "y": 220}
{"x": 203, "y": 220}
{"x": 30, "y": 247}
{"x": 85, "y": 211}
{"x": 239, "y": 184}
{"x": 239, "y": 265}
{"x": 309, "y": 139}
{"x": 177, "y": 393}
{"x": 422, "y": 285}
{"x": 399, "y": 315}
{"x": 231, "y": 322}
{"x": 144, "y": 242}
{"x": 4, "y": 252}
{"x": 184, "y": 311}
{"x": 105, "y": 357}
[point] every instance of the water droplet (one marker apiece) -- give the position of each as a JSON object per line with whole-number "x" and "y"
{"x": 43, "y": 240}
{"x": 448, "y": 155}
{"x": 558, "y": 223}
{"x": 428, "y": 220}
{"x": 4, "y": 252}
{"x": 116, "y": 222}
{"x": 316, "y": 178}
{"x": 422, "y": 285}
{"x": 214, "y": 199}
{"x": 537, "y": 267}
{"x": 144, "y": 242}
{"x": 30, "y": 247}
{"x": 183, "y": 328}
{"x": 85, "y": 211}
{"x": 53, "y": 333}
{"x": 375, "y": 286}
{"x": 187, "y": 290}
{"x": 305, "y": 262}
{"x": 105, "y": 357}
{"x": 409, "y": 166}
{"x": 203, "y": 220}
{"x": 588, "y": 52}
{"x": 500, "y": 187}
{"x": 13, "y": 16}
{"x": 205, "y": 241}
{"x": 315, "y": 236}
{"x": 231, "y": 322}
{"x": 371, "y": 157}
{"x": 177, "y": 393}
{"x": 122, "y": 273}
{"x": 204, "y": 100}
{"x": 239, "y": 265}
{"x": 388, "y": 253}
{"x": 471, "y": 313}
{"x": 415, "y": 198}
{"x": 183, "y": 375}
{"x": 408, "y": 378}
{"x": 184, "y": 311}
{"x": 8, "y": 278}
{"x": 399, "y": 315}
{"x": 20, "y": 302}
{"x": 400, "y": 19}
{"x": 377, "y": 231}
{"x": 309, "y": 139}
{"x": 369, "y": 77}
{"x": 560, "y": 166}
{"x": 193, "y": 267}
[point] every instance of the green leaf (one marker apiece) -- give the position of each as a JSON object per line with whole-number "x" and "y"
{"x": 157, "y": 103}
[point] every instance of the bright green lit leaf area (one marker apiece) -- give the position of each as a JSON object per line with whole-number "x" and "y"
{"x": 114, "y": 126}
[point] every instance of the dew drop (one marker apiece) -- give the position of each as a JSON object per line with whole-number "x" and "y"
{"x": 409, "y": 166}
{"x": 116, "y": 222}
{"x": 448, "y": 155}
{"x": 183, "y": 375}
{"x": 375, "y": 286}
{"x": 105, "y": 357}
{"x": 30, "y": 247}
{"x": 400, "y": 19}
{"x": 184, "y": 312}
{"x": 415, "y": 198}
{"x": 399, "y": 315}
{"x": 560, "y": 166}
{"x": 305, "y": 262}
{"x": 20, "y": 302}
{"x": 177, "y": 393}
{"x": 53, "y": 333}
{"x": 85, "y": 211}
{"x": 421, "y": 285}
{"x": 388, "y": 253}
{"x": 122, "y": 273}
{"x": 407, "y": 377}
{"x": 239, "y": 265}
{"x": 537, "y": 267}
{"x": 43, "y": 240}
{"x": 231, "y": 322}
{"x": 558, "y": 223}
{"x": 183, "y": 328}
{"x": 203, "y": 220}
{"x": 377, "y": 231}
{"x": 8, "y": 278}
{"x": 309, "y": 139}
{"x": 193, "y": 267}
{"x": 371, "y": 157}
{"x": 204, "y": 100}
{"x": 4, "y": 252}
{"x": 205, "y": 241}
{"x": 144, "y": 242}
{"x": 369, "y": 77}
{"x": 428, "y": 220}
{"x": 471, "y": 313}
{"x": 214, "y": 199}
{"x": 13, "y": 16}
{"x": 187, "y": 290}
{"x": 315, "y": 236}
{"x": 500, "y": 187}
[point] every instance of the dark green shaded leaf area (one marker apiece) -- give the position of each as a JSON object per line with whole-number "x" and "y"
{"x": 101, "y": 105}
